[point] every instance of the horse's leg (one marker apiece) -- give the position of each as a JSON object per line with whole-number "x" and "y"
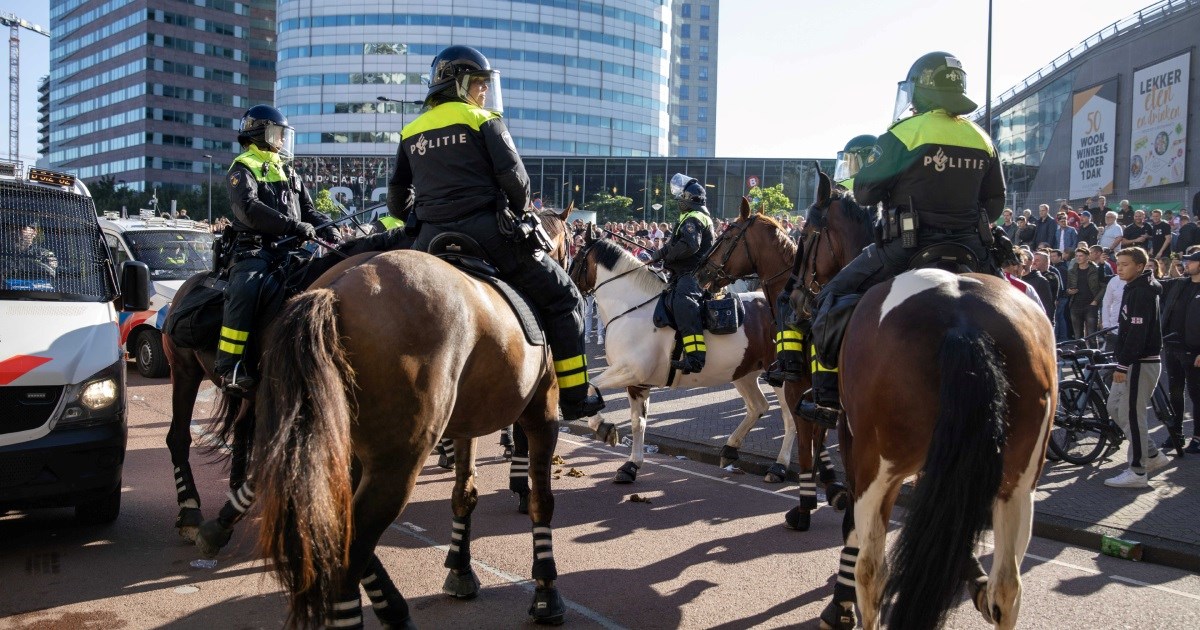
{"x": 1012, "y": 524}
{"x": 756, "y": 405}
{"x": 612, "y": 376}
{"x": 214, "y": 534}
{"x": 835, "y": 492}
{"x": 799, "y": 518}
{"x": 185, "y": 384}
{"x": 778, "y": 472}
{"x": 839, "y": 613}
{"x": 871, "y": 511}
{"x": 243, "y": 443}
{"x": 506, "y": 440}
{"x": 518, "y": 469}
{"x": 639, "y": 406}
{"x": 445, "y": 449}
{"x": 541, "y": 427}
{"x": 461, "y": 582}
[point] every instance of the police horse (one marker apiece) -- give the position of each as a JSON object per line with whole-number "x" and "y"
{"x": 365, "y": 371}
{"x": 639, "y": 354}
{"x": 951, "y": 378}
{"x": 756, "y": 244}
{"x": 191, "y": 367}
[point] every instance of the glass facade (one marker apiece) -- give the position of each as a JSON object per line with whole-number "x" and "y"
{"x": 1022, "y": 134}
{"x": 362, "y": 179}
{"x": 579, "y": 78}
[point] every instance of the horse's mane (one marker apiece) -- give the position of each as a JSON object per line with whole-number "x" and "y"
{"x": 863, "y": 216}
{"x": 781, "y": 234}
{"x": 614, "y": 258}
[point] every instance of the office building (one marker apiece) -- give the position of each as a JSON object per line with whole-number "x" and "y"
{"x": 693, "y": 103}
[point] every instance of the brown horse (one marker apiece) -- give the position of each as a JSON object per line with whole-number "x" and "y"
{"x": 949, "y": 377}
{"x": 755, "y": 244}
{"x": 384, "y": 354}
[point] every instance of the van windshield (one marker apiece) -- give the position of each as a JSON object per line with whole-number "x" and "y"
{"x": 172, "y": 254}
{"x": 51, "y": 247}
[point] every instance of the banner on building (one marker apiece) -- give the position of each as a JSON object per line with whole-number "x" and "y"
{"x": 1093, "y": 135}
{"x": 1158, "y": 138}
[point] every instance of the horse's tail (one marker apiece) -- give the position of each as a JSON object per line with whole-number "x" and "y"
{"x": 951, "y": 504}
{"x": 302, "y": 454}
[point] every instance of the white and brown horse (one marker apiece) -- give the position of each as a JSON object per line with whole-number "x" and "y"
{"x": 639, "y": 354}
{"x": 755, "y": 244}
{"x": 952, "y": 378}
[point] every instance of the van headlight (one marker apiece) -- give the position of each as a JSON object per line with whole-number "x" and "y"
{"x": 99, "y": 394}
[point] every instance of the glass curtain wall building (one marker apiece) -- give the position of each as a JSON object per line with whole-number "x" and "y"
{"x": 693, "y": 102}
{"x": 1109, "y": 116}
{"x": 580, "y": 77}
{"x": 357, "y": 181}
{"x": 141, "y": 90}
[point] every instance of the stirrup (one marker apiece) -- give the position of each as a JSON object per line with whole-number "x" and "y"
{"x": 237, "y": 382}
{"x": 820, "y": 415}
{"x": 586, "y": 407}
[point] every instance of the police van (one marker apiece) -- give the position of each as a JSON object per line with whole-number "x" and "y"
{"x": 62, "y": 371}
{"x": 174, "y": 250}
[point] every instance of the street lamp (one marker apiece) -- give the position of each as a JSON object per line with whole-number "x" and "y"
{"x": 384, "y": 99}
{"x": 208, "y": 157}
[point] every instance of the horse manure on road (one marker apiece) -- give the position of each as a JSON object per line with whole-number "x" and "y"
{"x": 575, "y": 472}
{"x": 637, "y": 498}
{"x": 558, "y": 460}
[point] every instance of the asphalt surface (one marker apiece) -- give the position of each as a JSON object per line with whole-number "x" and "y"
{"x": 708, "y": 550}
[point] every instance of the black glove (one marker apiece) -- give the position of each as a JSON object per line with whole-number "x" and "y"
{"x": 658, "y": 255}
{"x": 305, "y": 231}
{"x": 1002, "y": 248}
{"x": 331, "y": 234}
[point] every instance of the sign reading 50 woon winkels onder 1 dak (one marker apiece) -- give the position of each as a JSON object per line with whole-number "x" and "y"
{"x": 1093, "y": 134}
{"x": 1158, "y": 141}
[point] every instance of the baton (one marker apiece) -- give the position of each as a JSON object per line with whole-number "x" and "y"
{"x": 627, "y": 240}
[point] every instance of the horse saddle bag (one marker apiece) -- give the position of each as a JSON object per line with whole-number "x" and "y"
{"x": 951, "y": 257}
{"x": 195, "y": 322}
{"x": 724, "y": 315}
{"x": 468, "y": 256}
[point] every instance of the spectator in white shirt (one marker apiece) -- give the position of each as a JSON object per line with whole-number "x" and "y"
{"x": 1110, "y": 236}
{"x": 1110, "y": 308}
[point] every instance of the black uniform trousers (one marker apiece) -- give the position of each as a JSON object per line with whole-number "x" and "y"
{"x": 1180, "y": 365}
{"x": 544, "y": 282}
{"x": 247, "y": 278}
{"x": 685, "y": 297}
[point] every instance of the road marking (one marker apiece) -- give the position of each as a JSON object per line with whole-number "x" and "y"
{"x": 515, "y": 580}
{"x": 208, "y": 437}
{"x": 1082, "y": 569}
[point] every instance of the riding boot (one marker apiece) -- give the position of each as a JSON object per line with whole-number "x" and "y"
{"x": 693, "y": 359}
{"x": 231, "y": 367}
{"x": 789, "y": 358}
{"x": 826, "y": 405}
{"x": 574, "y": 398}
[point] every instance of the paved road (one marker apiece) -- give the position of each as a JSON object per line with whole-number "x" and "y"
{"x": 708, "y": 551}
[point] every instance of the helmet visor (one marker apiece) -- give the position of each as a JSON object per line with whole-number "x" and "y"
{"x": 679, "y": 181}
{"x": 904, "y": 100}
{"x": 848, "y": 163}
{"x": 483, "y": 90}
{"x": 282, "y": 140}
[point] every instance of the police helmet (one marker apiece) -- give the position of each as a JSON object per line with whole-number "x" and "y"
{"x": 856, "y": 155}
{"x": 935, "y": 81}
{"x": 455, "y": 71}
{"x": 267, "y": 128}
{"x": 688, "y": 192}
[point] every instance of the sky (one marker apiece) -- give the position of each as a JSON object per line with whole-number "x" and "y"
{"x": 796, "y": 78}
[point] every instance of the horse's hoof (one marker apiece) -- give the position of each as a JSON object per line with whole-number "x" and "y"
{"x": 979, "y": 596}
{"x": 839, "y": 616}
{"x": 797, "y": 519}
{"x": 838, "y": 496}
{"x": 188, "y": 523}
{"x": 445, "y": 461}
{"x": 461, "y": 585}
{"x": 729, "y": 455}
{"x": 777, "y": 473}
{"x": 212, "y": 537}
{"x": 548, "y": 608}
{"x": 627, "y": 473}
{"x": 523, "y": 502}
{"x": 607, "y": 433}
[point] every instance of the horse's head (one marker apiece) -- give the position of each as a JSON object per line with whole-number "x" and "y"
{"x": 583, "y": 267}
{"x": 733, "y": 254}
{"x": 836, "y": 230}
{"x": 555, "y": 224}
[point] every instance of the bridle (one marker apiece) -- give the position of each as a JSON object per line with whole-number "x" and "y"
{"x": 580, "y": 257}
{"x": 810, "y": 248}
{"x": 718, "y": 269}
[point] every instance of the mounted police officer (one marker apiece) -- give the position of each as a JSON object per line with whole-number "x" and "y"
{"x": 682, "y": 256}
{"x": 789, "y": 339}
{"x": 272, "y": 212}
{"x": 939, "y": 179}
{"x": 457, "y": 170}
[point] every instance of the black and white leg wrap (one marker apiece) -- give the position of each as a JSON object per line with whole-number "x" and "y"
{"x": 808, "y": 492}
{"x": 543, "y": 554}
{"x": 386, "y": 600}
{"x": 346, "y": 614}
{"x": 844, "y": 588}
{"x": 518, "y": 474}
{"x": 825, "y": 467}
{"x": 460, "y": 544}
{"x": 239, "y": 501}
{"x": 185, "y": 489}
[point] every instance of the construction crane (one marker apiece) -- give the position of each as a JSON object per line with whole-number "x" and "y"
{"x": 15, "y": 24}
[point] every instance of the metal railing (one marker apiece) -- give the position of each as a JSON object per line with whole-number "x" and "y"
{"x": 1150, "y": 15}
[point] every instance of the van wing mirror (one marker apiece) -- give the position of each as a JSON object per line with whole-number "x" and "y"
{"x": 135, "y": 286}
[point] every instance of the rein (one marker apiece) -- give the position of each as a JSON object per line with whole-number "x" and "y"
{"x": 582, "y": 255}
{"x": 812, "y": 247}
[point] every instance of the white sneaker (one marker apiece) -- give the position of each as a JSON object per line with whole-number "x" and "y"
{"x": 1158, "y": 462}
{"x": 1128, "y": 479}
{"x": 600, "y": 340}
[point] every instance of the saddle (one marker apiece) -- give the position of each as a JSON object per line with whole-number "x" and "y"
{"x": 721, "y": 315}
{"x": 950, "y": 257}
{"x": 466, "y": 255}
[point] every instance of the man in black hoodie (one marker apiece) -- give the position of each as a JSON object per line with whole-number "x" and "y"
{"x": 1181, "y": 346}
{"x": 1139, "y": 340}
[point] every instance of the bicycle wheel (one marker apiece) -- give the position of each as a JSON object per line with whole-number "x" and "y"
{"x": 1076, "y": 436}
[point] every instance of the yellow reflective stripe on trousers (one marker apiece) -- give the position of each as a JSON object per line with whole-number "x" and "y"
{"x": 234, "y": 334}
{"x": 789, "y": 334}
{"x": 572, "y": 380}
{"x": 789, "y": 340}
{"x": 570, "y": 365}
{"x": 817, "y": 366}
{"x": 231, "y": 348}
{"x": 694, "y": 343}
{"x": 790, "y": 346}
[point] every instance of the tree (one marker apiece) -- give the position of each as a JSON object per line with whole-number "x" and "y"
{"x": 771, "y": 201}
{"x": 610, "y": 208}
{"x": 324, "y": 203}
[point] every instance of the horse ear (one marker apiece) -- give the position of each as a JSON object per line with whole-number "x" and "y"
{"x": 566, "y": 213}
{"x": 590, "y": 235}
{"x": 744, "y": 211}
{"x": 824, "y": 187}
